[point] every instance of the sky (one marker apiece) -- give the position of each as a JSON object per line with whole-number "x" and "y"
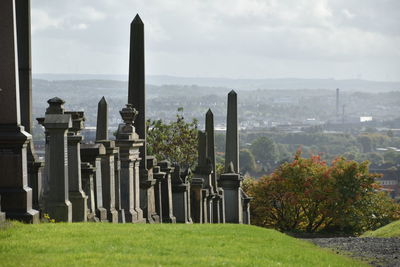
{"x": 340, "y": 39}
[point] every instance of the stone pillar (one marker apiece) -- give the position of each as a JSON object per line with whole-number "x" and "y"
{"x": 16, "y": 195}
{"x": 230, "y": 182}
{"x": 56, "y": 202}
{"x": 108, "y": 180}
{"x": 159, "y": 177}
{"x": 246, "y": 207}
{"x": 137, "y": 97}
{"x": 217, "y": 192}
{"x": 147, "y": 192}
{"x": 129, "y": 143}
{"x": 110, "y": 166}
{"x": 77, "y": 196}
{"x": 35, "y": 166}
{"x": 232, "y": 137}
{"x": 88, "y": 172}
{"x": 117, "y": 169}
{"x": 166, "y": 192}
{"x": 181, "y": 195}
{"x": 196, "y": 198}
{"x": 91, "y": 153}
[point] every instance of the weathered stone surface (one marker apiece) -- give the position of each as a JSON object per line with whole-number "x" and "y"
{"x": 246, "y": 206}
{"x": 230, "y": 182}
{"x": 88, "y": 172}
{"x": 147, "y": 192}
{"x": 129, "y": 143}
{"x": 117, "y": 170}
{"x": 232, "y": 139}
{"x": 102, "y": 120}
{"x": 2, "y": 214}
{"x": 56, "y": 200}
{"x": 91, "y": 153}
{"x": 166, "y": 192}
{"x": 16, "y": 195}
{"x": 181, "y": 195}
{"x": 108, "y": 180}
{"x": 196, "y": 197}
{"x": 158, "y": 176}
{"x": 77, "y": 196}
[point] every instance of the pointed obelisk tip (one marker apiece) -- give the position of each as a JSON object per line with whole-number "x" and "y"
{"x": 103, "y": 100}
{"x": 137, "y": 20}
{"x": 209, "y": 112}
{"x": 232, "y": 92}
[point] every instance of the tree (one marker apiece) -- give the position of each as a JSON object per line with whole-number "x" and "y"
{"x": 308, "y": 195}
{"x": 247, "y": 161}
{"x": 264, "y": 150}
{"x": 175, "y": 141}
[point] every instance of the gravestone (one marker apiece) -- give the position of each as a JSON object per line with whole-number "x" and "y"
{"x": 246, "y": 207}
{"x": 196, "y": 199}
{"x": 77, "y": 196}
{"x": 117, "y": 175}
{"x": 181, "y": 195}
{"x": 137, "y": 97}
{"x": 35, "y": 166}
{"x": 129, "y": 143}
{"x": 217, "y": 192}
{"x": 159, "y": 176}
{"x": 107, "y": 161}
{"x": 16, "y": 199}
{"x": 110, "y": 161}
{"x": 56, "y": 202}
{"x": 88, "y": 173}
{"x": 231, "y": 180}
{"x": 166, "y": 192}
{"x": 91, "y": 153}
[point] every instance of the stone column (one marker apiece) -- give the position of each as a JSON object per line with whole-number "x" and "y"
{"x": 88, "y": 172}
{"x": 117, "y": 169}
{"x": 232, "y": 137}
{"x": 196, "y": 198}
{"x": 57, "y": 203}
{"x": 159, "y": 177}
{"x": 91, "y": 153}
{"x": 77, "y": 196}
{"x": 110, "y": 166}
{"x": 166, "y": 192}
{"x": 129, "y": 143}
{"x": 16, "y": 195}
{"x": 35, "y": 166}
{"x": 108, "y": 180}
{"x": 137, "y": 97}
{"x": 246, "y": 207}
{"x": 180, "y": 195}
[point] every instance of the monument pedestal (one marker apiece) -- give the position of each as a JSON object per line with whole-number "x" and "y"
{"x": 16, "y": 199}
{"x": 230, "y": 183}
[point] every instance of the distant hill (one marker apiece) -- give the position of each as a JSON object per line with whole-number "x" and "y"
{"x": 240, "y": 84}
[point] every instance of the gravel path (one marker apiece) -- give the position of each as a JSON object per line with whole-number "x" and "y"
{"x": 376, "y": 251}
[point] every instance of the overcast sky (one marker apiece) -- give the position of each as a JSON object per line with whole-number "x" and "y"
{"x": 342, "y": 39}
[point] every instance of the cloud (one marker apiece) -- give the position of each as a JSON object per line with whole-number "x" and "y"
{"x": 250, "y": 38}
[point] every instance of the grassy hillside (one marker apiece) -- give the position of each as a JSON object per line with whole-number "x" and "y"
{"x": 157, "y": 245}
{"x": 390, "y": 230}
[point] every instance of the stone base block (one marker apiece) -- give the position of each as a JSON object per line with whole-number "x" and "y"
{"x": 59, "y": 211}
{"x": 112, "y": 216}
{"x": 101, "y": 214}
{"x": 91, "y": 217}
{"x": 121, "y": 216}
{"x": 79, "y": 206}
{"x": 2, "y": 217}
{"x": 31, "y": 216}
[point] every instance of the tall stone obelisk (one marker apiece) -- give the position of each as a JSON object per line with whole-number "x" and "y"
{"x": 16, "y": 195}
{"x": 35, "y": 166}
{"x": 211, "y": 146}
{"x": 137, "y": 97}
{"x": 232, "y": 139}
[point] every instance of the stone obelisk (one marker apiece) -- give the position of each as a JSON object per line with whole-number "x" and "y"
{"x": 16, "y": 195}
{"x": 35, "y": 166}
{"x": 137, "y": 97}
{"x": 232, "y": 139}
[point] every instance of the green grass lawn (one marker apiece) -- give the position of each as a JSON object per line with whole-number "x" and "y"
{"x": 390, "y": 230}
{"x": 103, "y": 244}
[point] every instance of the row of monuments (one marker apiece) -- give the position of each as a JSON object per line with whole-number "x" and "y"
{"x": 110, "y": 180}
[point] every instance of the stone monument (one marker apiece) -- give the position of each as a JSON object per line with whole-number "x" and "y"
{"x": 56, "y": 201}
{"x": 16, "y": 195}
{"x": 181, "y": 195}
{"x": 77, "y": 196}
{"x": 166, "y": 192}
{"x": 129, "y": 143}
{"x": 88, "y": 172}
{"x": 137, "y": 97}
